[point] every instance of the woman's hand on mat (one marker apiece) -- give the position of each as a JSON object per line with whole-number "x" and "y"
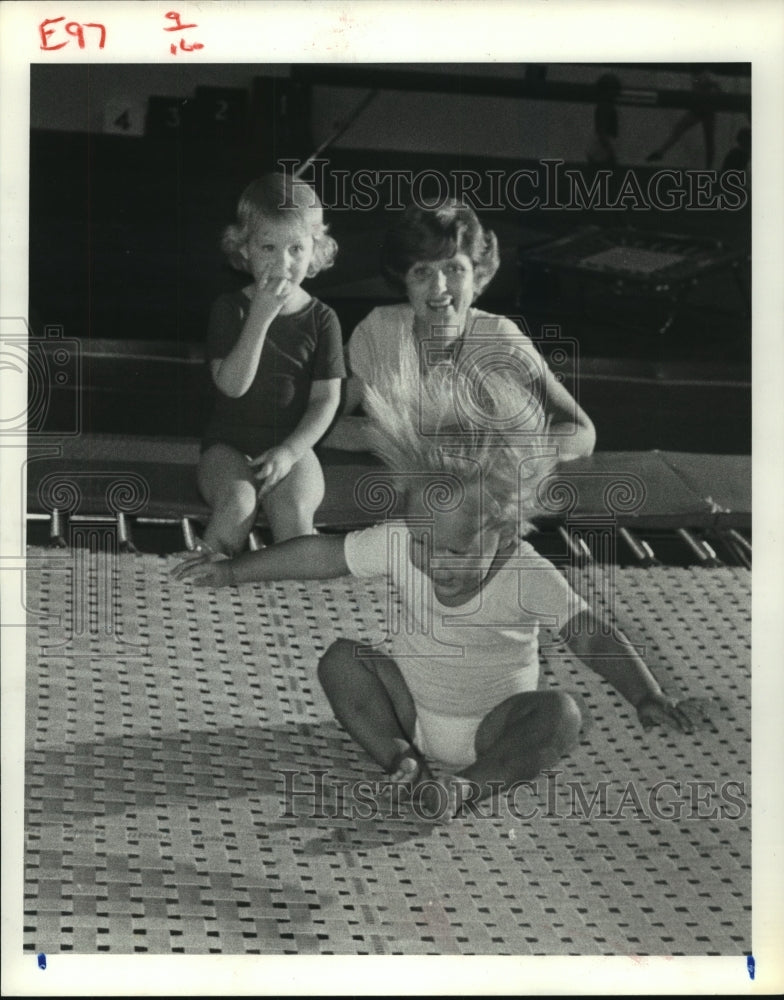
{"x": 207, "y": 571}
{"x": 273, "y": 465}
{"x": 685, "y": 714}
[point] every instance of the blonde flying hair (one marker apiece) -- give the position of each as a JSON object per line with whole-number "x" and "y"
{"x": 471, "y": 423}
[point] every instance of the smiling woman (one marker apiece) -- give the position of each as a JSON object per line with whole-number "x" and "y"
{"x": 440, "y": 293}
{"x": 442, "y": 259}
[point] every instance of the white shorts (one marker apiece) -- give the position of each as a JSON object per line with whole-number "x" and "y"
{"x": 448, "y": 739}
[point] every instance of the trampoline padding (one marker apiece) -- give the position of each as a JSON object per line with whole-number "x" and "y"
{"x": 165, "y": 488}
{"x": 635, "y": 488}
{"x": 724, "y": 481}
{"x": 638, "y": 489}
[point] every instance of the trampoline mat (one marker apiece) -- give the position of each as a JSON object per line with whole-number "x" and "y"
{"x": 631, "y": 259}
{"x": 167, "y": 728}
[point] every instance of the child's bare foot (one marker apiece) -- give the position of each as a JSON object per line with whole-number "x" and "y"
{"x": 436, "y": 800}
{"x": 409, "y": 768}
{"x": 439, "y": 800}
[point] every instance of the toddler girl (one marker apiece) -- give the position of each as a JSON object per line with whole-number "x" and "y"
{"x": 276, "y": 361}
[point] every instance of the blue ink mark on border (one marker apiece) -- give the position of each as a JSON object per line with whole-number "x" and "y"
{"x": 42, "y": 961}
{"x": 750, "y": 964}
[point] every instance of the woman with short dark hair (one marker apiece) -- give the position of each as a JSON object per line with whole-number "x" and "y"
{"x": 442, "y": 259}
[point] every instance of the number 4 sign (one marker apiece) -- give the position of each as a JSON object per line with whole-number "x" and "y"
{"x": 124, "y": 117}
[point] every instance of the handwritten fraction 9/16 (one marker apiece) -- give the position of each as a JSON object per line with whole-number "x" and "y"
{"x": 57, "y": 32}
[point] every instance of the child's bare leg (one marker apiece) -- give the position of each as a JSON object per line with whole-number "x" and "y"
{"x": 522, "y": 736}
{"x": 226, "y": 482}
{"x": 372, "y": 702}
{"x": 292, "y": 504}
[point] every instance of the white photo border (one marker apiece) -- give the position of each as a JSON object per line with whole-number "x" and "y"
{"x": 430, "y": 31}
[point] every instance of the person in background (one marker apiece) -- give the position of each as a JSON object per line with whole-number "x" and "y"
{"x": 701, "y": 113}
{"x": 739, "y": 156}
{"x": 601, "y": 150}
{"x": 441, "y": 259}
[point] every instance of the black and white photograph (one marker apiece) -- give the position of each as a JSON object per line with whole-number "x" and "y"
{"x": 375, "y": 375}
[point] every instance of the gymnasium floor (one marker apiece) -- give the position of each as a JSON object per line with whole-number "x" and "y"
{"x": 165, "y": 724}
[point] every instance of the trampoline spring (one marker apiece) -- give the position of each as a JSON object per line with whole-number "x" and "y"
{"x": 57, "y": 529}
{"x": 650, "y": 553}
{"x": 188, "y": 534}
{"x": 576, "y": 546}
{"x": 741, "y": 540}
{"x": 639, "y": 547}
{"x": 712, "y": 557}
{"x": 743, "y": 558}
{"x": 254, "y": 541}
{"x": 124, "y": 538}
{"x": 585, "y": 549}
{"x": 700, "y": 548}
{"x": 741, "y": 554}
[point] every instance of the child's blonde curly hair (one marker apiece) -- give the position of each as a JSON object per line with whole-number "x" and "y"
{"x": 473, "y": 425}
{"x": 278, "y": 196}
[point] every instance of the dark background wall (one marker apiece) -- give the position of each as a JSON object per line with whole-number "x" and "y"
{"x": 135, "y": 170}
{"x": 77, "y": 98}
